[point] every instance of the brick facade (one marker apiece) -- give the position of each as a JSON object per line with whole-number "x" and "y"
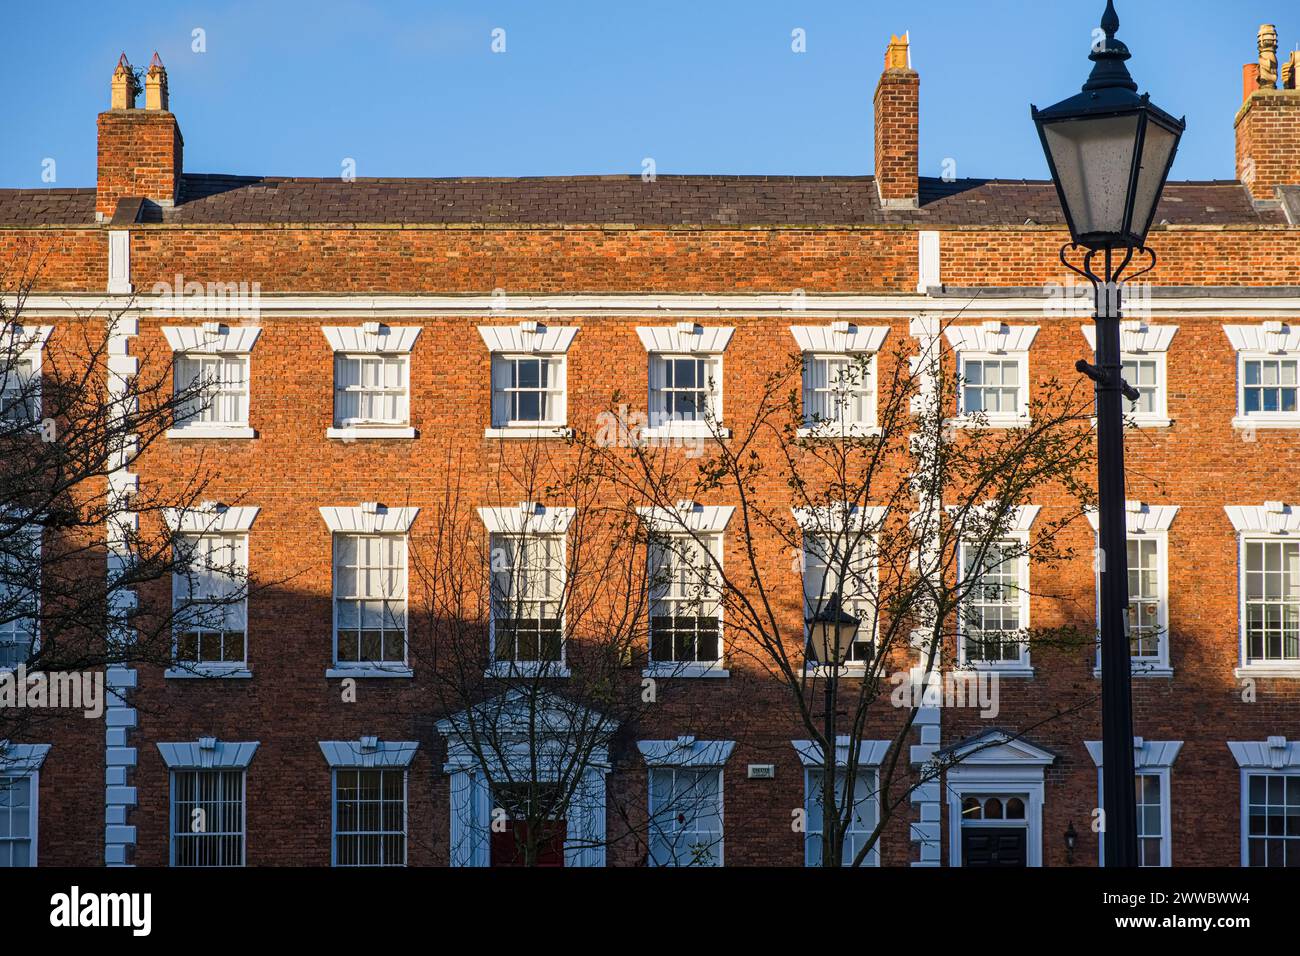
{"x": 313, "y": 274}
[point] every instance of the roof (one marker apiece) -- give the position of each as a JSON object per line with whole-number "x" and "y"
{"x": 618, "y": 200}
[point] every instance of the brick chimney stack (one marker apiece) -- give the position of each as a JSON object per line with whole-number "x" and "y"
{"x": 1268, "y": 123}
{"x": 898, "y": 99}
{"x": 139, "y": 150}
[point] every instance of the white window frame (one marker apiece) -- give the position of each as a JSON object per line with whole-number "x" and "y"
{"x": 1017, "y": 530}
{"x": 824, "y": 522}
{"x": 174, "y": 834}
{"x": 529, "y": 340}
{"x": 842, "y": 340}
{"x": 1267, "y": 341}
{"x": 706, "y": 525}
{"x": 210, "y": 519}
{"x": 528, "y": 519}
{"x": 36, "y": 535}
{"x": 1273, "y": 522}
{"x": 205, "y": 755}
{"x": 335, "y": 833}
{"x": 21, "y": 343}
{"x": 218, "y": 342}
{"x": 371, "y": 340}
{"x": 992, "y": 341}
{"x": 23, "y": 762}
{"x": 369, "y": 519}
{"x": 1151, "y": 758}
{"x": 687, "y": 753}
{"x": 369, "y": 753}
{"x": 871, "y": 754}
{"x": 1142, "y": 342}
{"x": 1275, "y": 756}
{"x": 1145, "y": 522}
{"x": 513, "y": 665}
{"x": 686, "y": 340}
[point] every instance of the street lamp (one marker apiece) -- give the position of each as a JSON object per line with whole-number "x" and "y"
{"x": 1110, "y": 151}
{"x": 831, "y": 632}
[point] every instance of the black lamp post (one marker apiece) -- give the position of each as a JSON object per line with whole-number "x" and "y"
{"x": 831, "y": 632}
{"x": 1110, "y": 151}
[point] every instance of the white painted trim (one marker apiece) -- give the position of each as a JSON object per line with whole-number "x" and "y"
{"x": 208, "y": 753}
{"x": 209, "y": 432}
{"x": 1266, "y": 338}
{"x": 1147, "y": 754}
{"x": 1140, "y": 517}
{"x": 371, "y": 518}
{"x": 17, "y": 760}
{"x": 928, "y": 261}
{"x": 871, "y": 753}
{"x": 210, "y": 518}
{"x": 212, "y": 338}
{"x": 992, "y": 338}
{"x": 119, "y": 262}
{"x": 528, "y": 337}
{"x": 527, "y": 517}
{"x": 368, "y": 753}
{"x": 695, "y": 519}
{"x": 1275, "y": 753}
{"x": 839, "y": 338}
{"x": 686, "y": 751}
{"x": 371, "y": 338}
{"x": 685, "y": 338}
{"x": 1136, "y": 337}
{"x": 842, "y": 517}
{"x": 664, "y": 305}
{"x": 529, "y": 432}
{"x": 371, "y": 432}
{"x": 996, "y": 763}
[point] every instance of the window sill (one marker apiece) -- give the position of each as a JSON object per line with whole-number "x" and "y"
{"x": 529, "y": 431}
{"x": 211, "y": 432}
{"x": 1003, "y": 670}
{"x": 682, "y": 430}
{"x": 369, "y": 670}
{"x": 1140, "y": 669}
{"x": 526, "y": 669}
{"x": 691, "y": 670}
{"x": 831, "y": 432}
{"x": 1282, "y": 671}
{"x": 369, "y": 432}
{"x": 1265, "y": 421}
{"x": 208, "y": 672}
{"x": 852, "y": 671}
{"x": 964, "y": 421}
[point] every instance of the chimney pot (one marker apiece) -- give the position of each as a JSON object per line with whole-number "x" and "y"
{"x": 124, "y": 89}
{"x": 155, "y": 85}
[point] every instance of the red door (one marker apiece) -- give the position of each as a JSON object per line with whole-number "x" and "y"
{"x": 507, "y": 846}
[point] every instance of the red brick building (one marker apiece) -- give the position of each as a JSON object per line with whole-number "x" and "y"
{"x": 381, "y": 312}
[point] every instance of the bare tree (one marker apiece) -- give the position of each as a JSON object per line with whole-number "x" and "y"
{"x": 911, "y": 528}
{"x": 536, "y": 616}
{"x": 81, "y": 545}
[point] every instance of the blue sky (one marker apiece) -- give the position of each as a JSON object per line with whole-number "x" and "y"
{"x": 414, "y": 89}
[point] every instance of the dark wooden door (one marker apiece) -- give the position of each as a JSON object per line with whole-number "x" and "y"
{"x": 994, "y": 846}
{"x": 507, "y": 846}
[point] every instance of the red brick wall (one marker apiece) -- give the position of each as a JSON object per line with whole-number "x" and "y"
{"x": 1268, "y": 141}
{"x": 897, "y": 131}
{"x": 140, "y": 155}
{"x": 290, "y": 470}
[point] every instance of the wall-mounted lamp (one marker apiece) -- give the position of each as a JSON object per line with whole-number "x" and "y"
{"x": 1071, "y": 839}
